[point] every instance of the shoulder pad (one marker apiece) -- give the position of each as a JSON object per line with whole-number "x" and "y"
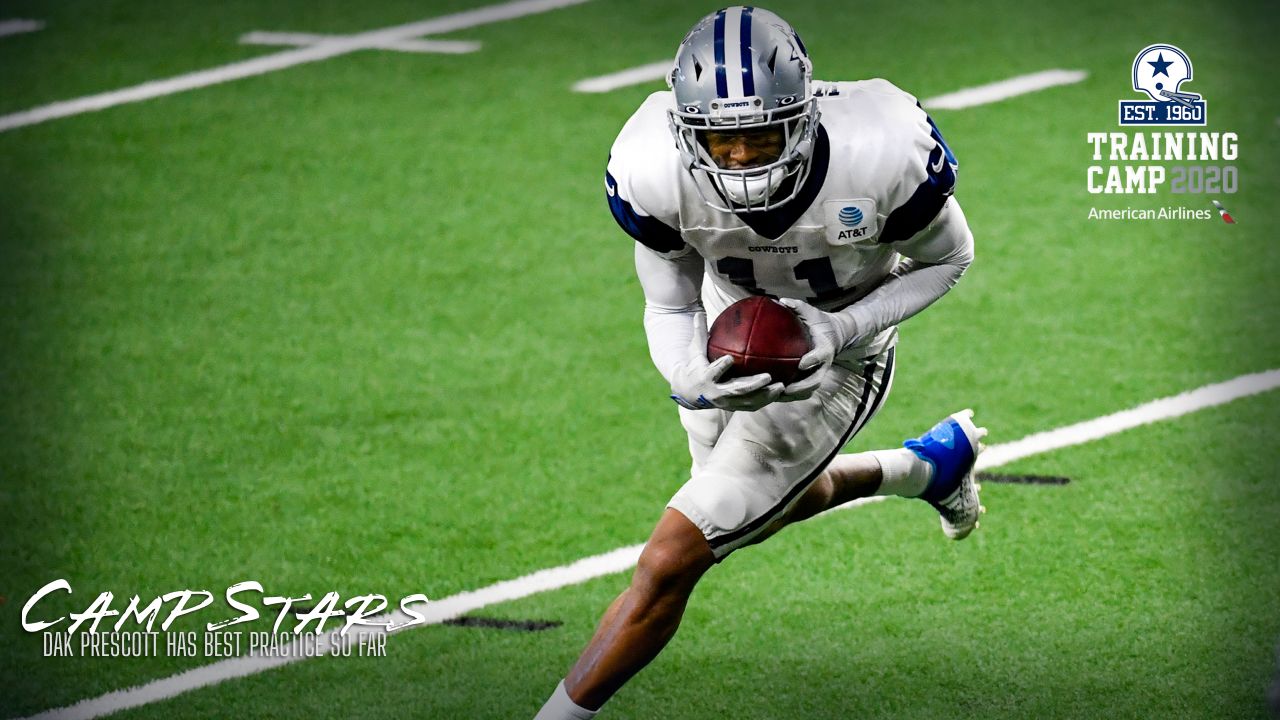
{"x": 917, "y": 170}
{"x": 644, "y": 161}
{"x": 933, "y": 163}
{"x": 642, "y": 178}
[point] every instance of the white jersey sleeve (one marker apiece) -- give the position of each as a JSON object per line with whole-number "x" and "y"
{"x": 641, "y": 182}
{"x": 894, "y": 148}
{"x": 672, "y": 308}
{"x": 641, "y": 187}
{"x": 920, "y": 220}
{"x": 935, "y": 259}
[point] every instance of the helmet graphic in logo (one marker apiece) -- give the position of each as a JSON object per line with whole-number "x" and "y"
{"x": 742, "y": 71}
{"x": 850, "y": 216}
{"x": 1159, "y": 71}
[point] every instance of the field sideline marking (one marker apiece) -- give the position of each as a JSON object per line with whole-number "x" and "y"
{"x": 324, "y": 50}
{"x": 968, "y": 97}
{"x": 624, "y": 558}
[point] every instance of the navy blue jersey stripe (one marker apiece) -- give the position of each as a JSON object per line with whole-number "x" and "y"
{"x": 882, "y": 393}
{"x": 926, "y": 202}
{"x": 744, "y": 42}
{"x": 647, "y": 230}
{"x": 924, "y": 205}
{"x": 937, "y": 136}
{"x": 722, "y": 82}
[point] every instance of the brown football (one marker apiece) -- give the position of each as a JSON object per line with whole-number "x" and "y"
{"x": 763, "y": 336}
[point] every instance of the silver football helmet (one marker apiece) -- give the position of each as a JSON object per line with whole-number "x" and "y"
{"x": 744, "y": 69}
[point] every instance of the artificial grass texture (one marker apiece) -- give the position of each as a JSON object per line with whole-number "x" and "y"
{"x": 366, "y": 325}
{"x": 1142, "y": 589}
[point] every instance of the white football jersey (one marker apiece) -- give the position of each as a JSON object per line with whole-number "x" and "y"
{"x": 880, "y": 173}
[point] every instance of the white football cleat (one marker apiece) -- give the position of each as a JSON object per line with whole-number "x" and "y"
{"x": 952, "y": 448}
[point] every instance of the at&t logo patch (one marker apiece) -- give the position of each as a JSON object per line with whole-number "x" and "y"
{"x": 849, "y": 221}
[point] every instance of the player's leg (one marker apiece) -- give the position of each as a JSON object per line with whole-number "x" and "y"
{"x": 848, "y": 477}
{"x": 853, "y": 476}
{"x": 640, "y": 621}
{"x": 770, "y": 466}
{"x": 748, "y": 469}
{"x": 936, "y": 467}
{"x": 673, "y": 559}
{"x": 810, "y": 433}
{"x": 645, "y": 616}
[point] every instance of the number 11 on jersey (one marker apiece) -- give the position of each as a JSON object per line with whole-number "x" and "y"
{"x": 816, "y": 271}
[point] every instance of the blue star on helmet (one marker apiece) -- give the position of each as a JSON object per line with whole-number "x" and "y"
{"x": 1161, "y": 65}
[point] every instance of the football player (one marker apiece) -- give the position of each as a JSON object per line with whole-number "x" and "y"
{"x": 749, "y": 178}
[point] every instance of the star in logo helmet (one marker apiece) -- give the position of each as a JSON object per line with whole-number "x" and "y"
{"x": 1161, "y": 65}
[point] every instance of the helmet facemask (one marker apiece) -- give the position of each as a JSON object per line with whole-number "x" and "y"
{"x": 755, "y": 188}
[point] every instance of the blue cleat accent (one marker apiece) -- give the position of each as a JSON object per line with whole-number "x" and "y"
{"x": 951, "y": 448}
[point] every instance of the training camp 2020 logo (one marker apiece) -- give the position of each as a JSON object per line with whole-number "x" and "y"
{"x": 1145, "y": 160}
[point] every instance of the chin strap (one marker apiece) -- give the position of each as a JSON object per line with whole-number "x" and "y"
{"x": 804, "y": 149}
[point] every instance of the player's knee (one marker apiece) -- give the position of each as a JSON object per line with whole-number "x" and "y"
{"x": 671, "y": 566}
{"x": 665, "y": 565}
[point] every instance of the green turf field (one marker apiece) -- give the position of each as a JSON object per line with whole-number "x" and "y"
{"x": 366, "y": 325}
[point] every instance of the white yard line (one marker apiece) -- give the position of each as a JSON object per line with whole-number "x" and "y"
{"x": 968, "y": 97}
{"x": 1005, "y": 89}
{"x": 448, "y": 47}
{"x": 1164, "y": 409}
{"x": 18, "y": 26}
{"x": 624, "y": 558}
{"x": 284, "y": 59}
{"x": 625, "y": 78}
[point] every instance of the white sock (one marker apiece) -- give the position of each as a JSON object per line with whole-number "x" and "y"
{"x": 902, "y": 472}
{"x": 561, "y": 707}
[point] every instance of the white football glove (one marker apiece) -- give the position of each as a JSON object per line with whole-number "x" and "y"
{"x": 695, "y": 383}
{"x": 826, "y": 334}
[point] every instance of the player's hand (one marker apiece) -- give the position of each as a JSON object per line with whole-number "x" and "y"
{"x": 826, "y": 335}
{"x": 696, "y": 383}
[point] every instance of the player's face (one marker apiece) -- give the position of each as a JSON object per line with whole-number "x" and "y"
{"x": 744, "y": 149}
